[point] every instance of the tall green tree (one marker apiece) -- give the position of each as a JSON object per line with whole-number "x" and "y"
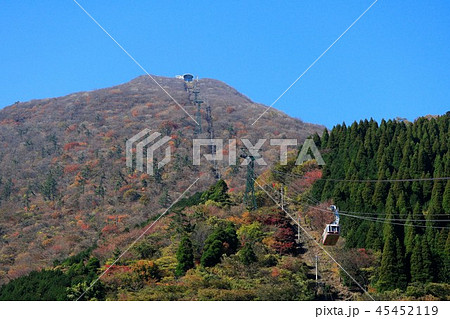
{"x": 391, "y": 272}
{"x": 446, "y": 198}
{"x": 223, "y": 240}
{"x": 217, "y": 193}
{"x": 49, "y": 187}
{"x": 185, "y": 256}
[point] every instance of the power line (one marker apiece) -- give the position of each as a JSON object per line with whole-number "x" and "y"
{"x": 312, "y": 199}
{"x": 386, "y": 221}
{"x": 135, "y": 61}
{"x": 383, "y": 220}
{"x": 315, "y": 61}
{"x": 354, "y": 216}
{"x": 317, "y": 243}
{"x": 398, "y": 219}
{"x": 365, "y": 180}
{"x": 136, "y": 240}
{"x": 374, "y": 215}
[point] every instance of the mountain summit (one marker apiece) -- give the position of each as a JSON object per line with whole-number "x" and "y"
{"x": 143, "y": 100}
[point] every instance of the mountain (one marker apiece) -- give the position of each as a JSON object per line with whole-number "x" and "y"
{"x": 64, "y": 185}
{"x": 71, "y": 210}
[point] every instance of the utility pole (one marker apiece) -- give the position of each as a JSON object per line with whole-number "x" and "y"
{"x": 249, "y": 195}
{"x": 198, "y": 118}
{"x": 317, "y": 266}
{"x": 212, "y": 147}
{"x": 282, "y": 197}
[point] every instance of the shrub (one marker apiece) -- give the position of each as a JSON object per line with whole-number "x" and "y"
{"x": 247, "y": 255}
{"x": 146, "y": 270}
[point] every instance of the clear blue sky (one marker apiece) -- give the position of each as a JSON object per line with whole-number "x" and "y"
{"x": 394, "y": 62}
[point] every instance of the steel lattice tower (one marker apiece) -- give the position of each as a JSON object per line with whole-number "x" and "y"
{"x": 249, "y": 195}
{"x": 198, "y": 117}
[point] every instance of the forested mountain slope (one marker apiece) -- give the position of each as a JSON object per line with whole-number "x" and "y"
{"x": 64, "y": 185}
{"x": 389, "y": 181}
{"x": 404, "y": 212}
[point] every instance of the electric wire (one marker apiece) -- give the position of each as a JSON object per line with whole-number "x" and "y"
{"x": 377, "y": 219}
{"x": 316, "y": 242}
{"x": 312, "y": 199}
{"x": 366, "y": 180}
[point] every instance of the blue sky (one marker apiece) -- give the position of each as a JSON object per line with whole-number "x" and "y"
{"x": 394, "y": 62}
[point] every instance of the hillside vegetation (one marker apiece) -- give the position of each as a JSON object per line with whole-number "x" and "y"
{"x": 69, "y": 206}
{"x": 395, "y": 239}
{"x": 64, "y": 185}
{"x": 206, "y": 249}
{"x": 405, "y": 222}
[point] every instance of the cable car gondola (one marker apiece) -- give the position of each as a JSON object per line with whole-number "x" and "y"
{"x": 331, "y": 232}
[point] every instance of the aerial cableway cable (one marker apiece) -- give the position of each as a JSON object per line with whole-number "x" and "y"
{"x": 315, "y": 241}
{"x": 367, "y": 218}
{"x": 315, "y": 201}
{"x": 366, "y": 180}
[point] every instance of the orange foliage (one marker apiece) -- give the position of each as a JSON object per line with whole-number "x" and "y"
{"x": 109, "y": 228}
{"x": 57, "y": 214}
{"x": 275, "y": 272}
{"x": 116, "y": 218}
{"x": 47, "y": 242}
{"x": 71, "y": 168}
{"x": 82, "y": 224}
{"x": 8, "y": 121}
{"x": 308, "y": 179}
{"x": 94, "y": 163}
{"x": 230, "y": 109}
{"x": 245, "y": 219}
{"x": 124, "y": 188}
{"x": 133, "y": 175}
{"x": 79, "y": 179}
{"x": 56, "y": 248}
{"x": 110, "y": 133}
{"x": 145, "y": 269}
{"x": 71, "y": 128}
{"x": 72, "y": 145}
{"x": 18, "y": 271}
{"x": 117, "y": 269}
{"x": 242, "y": 132}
